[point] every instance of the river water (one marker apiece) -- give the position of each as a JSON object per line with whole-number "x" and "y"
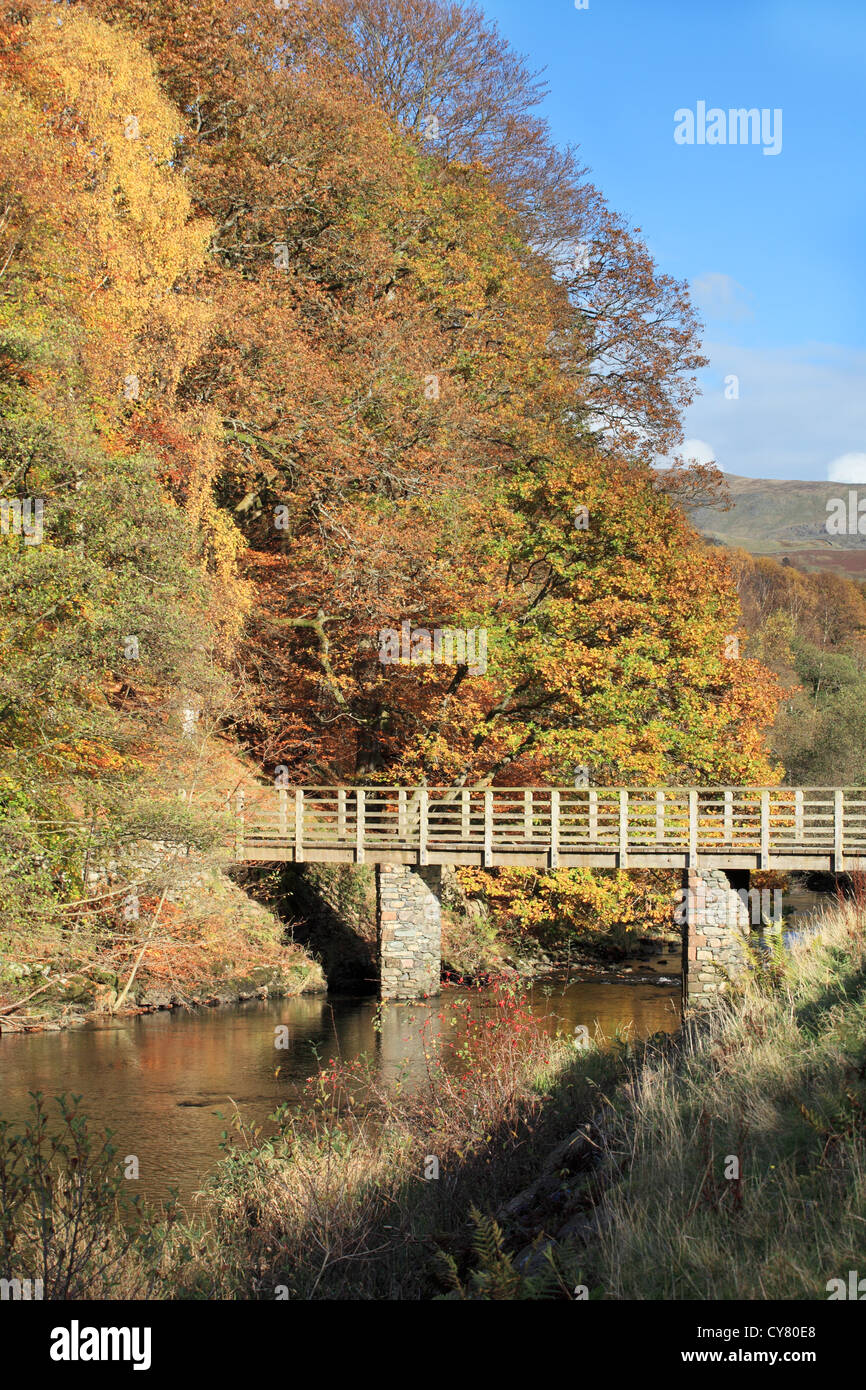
{"x": 166, "y": 1083}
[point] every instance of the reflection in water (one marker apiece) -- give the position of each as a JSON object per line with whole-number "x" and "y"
{"x": 802, "y": 911}
{"x": 161, "y": 1081}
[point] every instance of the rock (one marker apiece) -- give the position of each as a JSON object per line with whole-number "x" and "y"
{"x": 580, "y": 1228}
{"x": 574, "y": 1151}
{"x": 522, "y": 1202}
{"x": 532, "y": 1259}
{"x": 584, "y": 1227}
{"x": 155, "y": 999}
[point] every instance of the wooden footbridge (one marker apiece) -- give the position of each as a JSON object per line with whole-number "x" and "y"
{"x": 557, "y": 827}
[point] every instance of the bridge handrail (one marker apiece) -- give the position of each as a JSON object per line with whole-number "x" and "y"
{"x": 571, "y": 819}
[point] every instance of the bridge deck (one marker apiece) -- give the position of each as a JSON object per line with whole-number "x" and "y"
{"x": 550, "y": 827}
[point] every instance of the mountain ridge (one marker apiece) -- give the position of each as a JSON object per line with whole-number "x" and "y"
{"x": 784, "y": 519}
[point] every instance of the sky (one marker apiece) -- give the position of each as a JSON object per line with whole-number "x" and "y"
{"x": 773, "y": 245}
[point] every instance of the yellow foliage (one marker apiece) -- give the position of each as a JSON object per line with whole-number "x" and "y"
{"x": 563, "y": 899}
{"x": 115, "y": 250}
{"x": 131, "y": 211}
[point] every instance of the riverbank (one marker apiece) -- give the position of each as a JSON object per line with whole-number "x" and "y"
{"x": 368, "y": 1194}
{"x": 733, "y": 1164}
{"x": 728, "y": 1163}
{"x": 153, "y": 917}
{"x": 368, "y": 1172}
{"x": 238, "y": 953}
{"x": 206, "y": 943}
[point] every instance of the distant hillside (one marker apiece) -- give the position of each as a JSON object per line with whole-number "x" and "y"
{"x": 779, "y": 517}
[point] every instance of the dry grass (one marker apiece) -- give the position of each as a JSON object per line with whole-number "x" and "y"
{"x": 775, "y": 1080}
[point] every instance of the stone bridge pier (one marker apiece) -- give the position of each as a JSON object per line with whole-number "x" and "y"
{"x": 715, "y": 924}
{"x": 409, "y": 929}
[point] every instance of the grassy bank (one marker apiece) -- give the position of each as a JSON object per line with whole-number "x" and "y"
{"x": 776, "y": 1080}
{"x": 149, "y": 914}
{"x": 213, "y": 946}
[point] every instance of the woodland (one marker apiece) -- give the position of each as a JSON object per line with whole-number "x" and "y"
{"x": 301, "y": 341}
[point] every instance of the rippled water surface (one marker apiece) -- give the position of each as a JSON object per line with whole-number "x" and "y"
{"x": 162, "y": 1081}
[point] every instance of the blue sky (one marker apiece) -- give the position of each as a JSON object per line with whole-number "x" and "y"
{"x": 772, "y": 244}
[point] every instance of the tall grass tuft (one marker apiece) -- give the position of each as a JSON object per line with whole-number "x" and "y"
{"x": 736, "y": 1164}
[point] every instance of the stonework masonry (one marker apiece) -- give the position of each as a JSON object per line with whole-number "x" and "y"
{"x": 716, "y": 927}
{"x": 409, "y": 918}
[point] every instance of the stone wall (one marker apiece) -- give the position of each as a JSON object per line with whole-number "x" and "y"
{"x": 409, "y": 917}
{"x": 716, "y": 923}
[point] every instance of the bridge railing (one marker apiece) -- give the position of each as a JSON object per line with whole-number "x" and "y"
{"x": 557, "y": 820}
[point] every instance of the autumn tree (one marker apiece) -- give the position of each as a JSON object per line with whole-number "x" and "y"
{"x": 285, "y": 320}
{"x": 626, "y": 333}
{"x": 809, "y": 629}
{"x": 119, "y": 608}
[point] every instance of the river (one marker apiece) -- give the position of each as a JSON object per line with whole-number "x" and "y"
{"x": 166, "y": 1083}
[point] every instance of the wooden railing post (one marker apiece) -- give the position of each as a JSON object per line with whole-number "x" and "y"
{"x": 623, "y": 828}
{"x": 423, "y": 824}
{"x": 554, "y": 828}
{"x": 838, "y": 830}
{"x": 693, "y": 827}
{"x": 729, "y": 817}
{"x": 660, "y": 817}
{"x": 359, "y": 825}
{"x": 527, "y": 815}
{"x": 402, "y": 831}
{"x": 299, "y": 825}
{"x": 488, "y": 827}
{"x": 240, "y": 822}
{"x": 593, "y": 816}
{"x": 798, "y": 816}
{"x": 341, "y": 812}
{"x": 283, "y": 798}
{"x": 465, "y": 807}
{"x": 765, "y": 829}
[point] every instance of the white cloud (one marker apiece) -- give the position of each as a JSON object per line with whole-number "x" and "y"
{"x": 796, "y": 408}
{"x": 848, "y": 468}
{"x": 722, "y": 297}
{"x": 695, "y": 451}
